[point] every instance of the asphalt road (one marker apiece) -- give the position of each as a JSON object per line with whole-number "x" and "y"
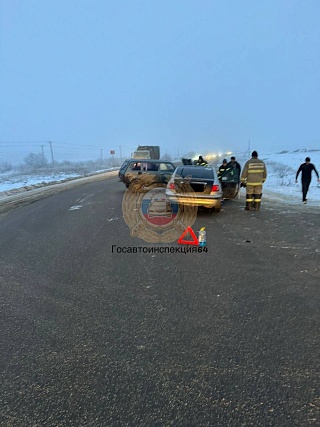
{"x": 91, "y": 337}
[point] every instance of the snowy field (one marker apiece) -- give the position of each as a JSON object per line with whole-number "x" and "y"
{"x": 281, "y": 168}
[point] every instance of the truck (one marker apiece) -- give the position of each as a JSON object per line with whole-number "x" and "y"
{"x": 147, "y": 152}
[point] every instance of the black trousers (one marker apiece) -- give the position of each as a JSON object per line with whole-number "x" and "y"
{"x": 305, "y": 188}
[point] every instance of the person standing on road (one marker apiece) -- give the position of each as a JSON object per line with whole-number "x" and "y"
{"x": 223, "y": 168}
{"x": 233, "y": 164}
{"x": 253, "y": 176}
{"x": 306, "y": 172}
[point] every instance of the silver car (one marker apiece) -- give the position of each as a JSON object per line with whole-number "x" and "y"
{"x": 195, "y": 186}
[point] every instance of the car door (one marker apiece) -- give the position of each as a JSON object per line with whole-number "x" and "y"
{"x": 150, "y": 168}
{"x": 133, "y": 170}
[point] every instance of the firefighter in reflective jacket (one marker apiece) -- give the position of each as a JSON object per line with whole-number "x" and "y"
{"x": 201, "y": 162}
{"x": 223, "y": 168}
{"x": 253, "y": 176}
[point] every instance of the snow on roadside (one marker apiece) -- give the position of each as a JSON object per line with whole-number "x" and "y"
{"x": 22, "y": 181}
{"x": 13, "y": 184}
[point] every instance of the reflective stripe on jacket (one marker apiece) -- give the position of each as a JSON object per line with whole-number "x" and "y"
{"x": 222, "y": 170}
{"x": 254, "y": 172}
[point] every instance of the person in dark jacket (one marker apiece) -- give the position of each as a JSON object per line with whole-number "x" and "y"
{"x": 233, "y": 164}
{"x": 306, "y": 172}
{"x": 201, "y": 162}
{"x": 223, "y": 168}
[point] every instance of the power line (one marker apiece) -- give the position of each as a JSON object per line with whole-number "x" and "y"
{"x": 22, "y": 142}
{"x": 88, "y": 146}
{"x": 11, "y": 146}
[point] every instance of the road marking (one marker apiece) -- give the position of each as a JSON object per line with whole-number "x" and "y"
{"x": 75, "y": 207}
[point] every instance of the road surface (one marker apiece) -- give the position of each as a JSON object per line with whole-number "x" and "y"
{"x": 93, "y": 337}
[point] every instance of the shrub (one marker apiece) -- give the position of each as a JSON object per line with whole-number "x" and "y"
{"x": 34, "y": 161}
{"x": 5, "y": 167}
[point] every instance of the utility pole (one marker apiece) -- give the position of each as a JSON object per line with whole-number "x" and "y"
{"x": 42, "y": 151}
{"x": 42, "y": 154}
{"x": 112, "y": 152}
{"x": 120, "y": 153}
{"x": 52, "y": 159}
{"x": 101, "y": 153}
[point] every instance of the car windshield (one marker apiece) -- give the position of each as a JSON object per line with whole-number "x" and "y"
{"x": 195, "y": 172}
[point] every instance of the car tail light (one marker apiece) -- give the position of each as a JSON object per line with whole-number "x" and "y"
{"x": 215, "y": 188}
{"x": 171, "y": 185}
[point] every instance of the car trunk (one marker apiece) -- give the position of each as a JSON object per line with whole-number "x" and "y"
{"x": 200, "y": 187}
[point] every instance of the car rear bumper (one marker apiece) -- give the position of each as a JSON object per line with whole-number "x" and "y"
{"x": 194, "y": 200}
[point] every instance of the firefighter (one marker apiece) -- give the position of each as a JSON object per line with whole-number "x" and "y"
{"x": 253, "y": 176}
{"x": 223, "y": 168}
{"x": 201, "y": 162}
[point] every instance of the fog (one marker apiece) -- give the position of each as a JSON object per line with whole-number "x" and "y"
{"x": 185, "y": 75}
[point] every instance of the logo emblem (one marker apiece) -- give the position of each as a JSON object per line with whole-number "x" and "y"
{"x": 151, "y": 216}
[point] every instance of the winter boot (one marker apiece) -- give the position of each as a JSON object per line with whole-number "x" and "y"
{"x": 257, "y": 201}
{"x": 249, "y": 202}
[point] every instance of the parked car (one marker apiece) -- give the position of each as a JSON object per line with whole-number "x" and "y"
{"x": 158, "y": 170}
{"x": 195, "y": 186}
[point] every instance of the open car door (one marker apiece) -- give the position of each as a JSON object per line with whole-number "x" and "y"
{"x": 230, "y": 183}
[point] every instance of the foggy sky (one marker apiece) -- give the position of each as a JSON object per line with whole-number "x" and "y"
{"x": 187, "y": 75}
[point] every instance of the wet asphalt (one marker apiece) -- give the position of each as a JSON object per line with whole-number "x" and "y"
{"x": 91, "y": 337}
